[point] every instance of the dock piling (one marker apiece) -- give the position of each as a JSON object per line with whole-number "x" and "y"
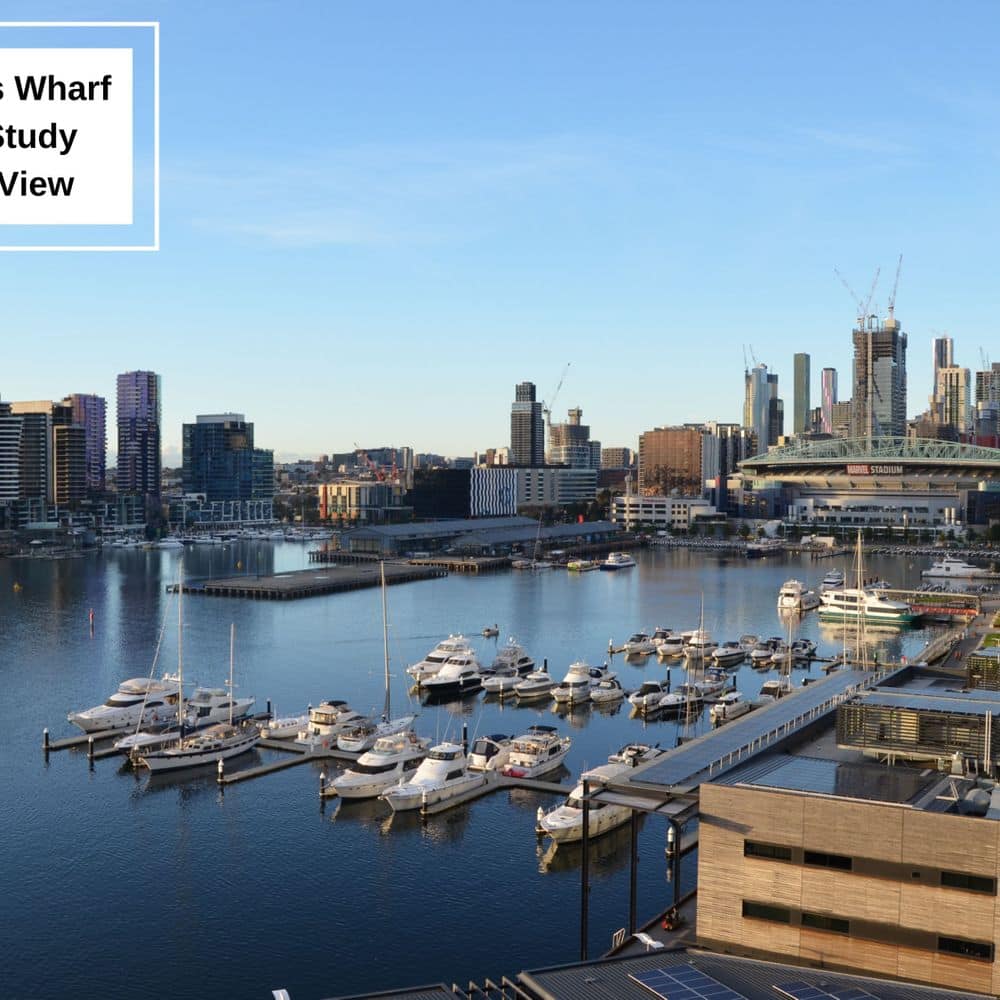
{"x": 45, "y": 741}
{"x": 322, "y": 783}
{"x": 221, "y": 773}
{"x": 90, "y": 750}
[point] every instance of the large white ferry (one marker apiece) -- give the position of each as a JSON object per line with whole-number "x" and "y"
{"x": 851, "y": 603}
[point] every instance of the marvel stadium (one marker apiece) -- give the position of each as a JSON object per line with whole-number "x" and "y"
{"x": 894, "y": 482}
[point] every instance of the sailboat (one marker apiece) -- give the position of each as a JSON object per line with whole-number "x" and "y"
{"x": 364, "y": 735}
{"x": 218, "y": 742}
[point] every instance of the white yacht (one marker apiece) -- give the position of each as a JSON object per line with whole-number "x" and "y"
{"x": 955, "y": 569}
{"x": 490, "y": 753}
{"x": 634, "y": 754}
{"x": 210, "y": 705}
{"x": 686, "y": 698}
{"x": 660, "y": 635}
{"x": 454, "y": 645}
{"x": 714, "y": 681}
{"x": 802, "y": 651}
{"x": 777, "y": 687}
{"x": 728, "y": 706}
{"x": 140, "y": 701}
{"x": 442, "y": 775}
{"x": 672, "y": 646}
{"x": 326, "y": 722}
{"x": 795, "y": 596}
{"x": 540, "y": 750}
{"x": 538, "y": 684}
{"x": 639, "y": 644}
{"x": 284, "y": 728}
{"x": 391, "y": 760}
{"x": 832, "y": 580}
{"x": 580, "y": 680}
{"x": 761, "y": 653}
{"x": 501, "y": 681}
{"x": 364, "y": 735}
{"x": 510, "y": 655}
{"x": 459, "y": 675}
{"x": 728, "y": 654}
{"x": 607, "y": 692}
{"x": 647, "y": 698}
{"x": 852, "y": 603}
{"x": 699, "y": 647}
{"x": 218, "y": 742}
{"x": 617, "y": 560}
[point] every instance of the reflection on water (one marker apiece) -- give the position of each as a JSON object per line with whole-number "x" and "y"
{"x": 606, "y": 854}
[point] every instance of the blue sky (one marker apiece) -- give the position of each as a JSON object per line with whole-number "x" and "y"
{"x": 378, "y": 217}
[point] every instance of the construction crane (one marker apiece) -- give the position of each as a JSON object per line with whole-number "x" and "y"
{"x": 895, "y": 285}
{"x": 547, "y": 407}
{"x": 863, "y": 305}
{"x": 369, "y": 462}
{"x": 984, "y": 359}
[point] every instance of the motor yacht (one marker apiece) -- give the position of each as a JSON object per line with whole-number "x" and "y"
{"x": 210, "y": 705}
{"x": 699, "y": 647}
{"x": 617, "y": 560}
{"x": 443, "y": 774}
{"x": 490, "y": 753}
{"x": 564, "y": 823}
{"x": 686, "y": 698}
{"x": 581, "y": 565}
{"x": 326, "y": 722}
{"x": 672, "y": 647}
{"x": 795, "y": 596}
{"x": 580, "y": 680}
{"x": 607, "y": 691}
{"x": 460, "y": 675}
{"x": 540, "y": 750}
{"x": 392, "y": 759}
{"x": 748, "y": 641}
{"x": 140, "y": 701}
{"x": 501, "y": 681}
{"x": 639, "y": 644}
{"x": 660, "y": 635}
{"x": 284, "y": 728}
{"x": 761, "y": 654}
{"x": 852, "y": 603}
{"x": 647, "y": 698}
{"x": 363, "y": 736}
{"x": 634, "y": 754}
{"x": 832, "y": 580}
{"x": 727, "y": 707}
{"x": 538, "y": 684}
{"x": 948, "y": 567}
{"x": 218, "y": 742}
{"x": 729, "y": 654}
{"x": 511, "y": 654}
{"x": 454, "y": 645}
{"x": 714, "y": 681}
{"x": 777, "y": 687}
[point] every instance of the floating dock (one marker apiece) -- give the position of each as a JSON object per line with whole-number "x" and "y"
{"x": 309, "y": 582}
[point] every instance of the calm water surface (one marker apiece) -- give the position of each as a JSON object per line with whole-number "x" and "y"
{"x": 118, "y": 886}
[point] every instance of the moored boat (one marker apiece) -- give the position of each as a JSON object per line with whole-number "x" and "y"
{"x": 540, "y": 750}
{"x": 795, "y": 596}
{"x": 443, "y": 774}
{"x": 388, "y": 762}
{"x": 617, "y": 560}
{"x": 949, "y": 567}
{"x": 140, "y": 701}
{"x": 454, "y": 645}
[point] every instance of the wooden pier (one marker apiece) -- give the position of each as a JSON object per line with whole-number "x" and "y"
{"x": 309, "y": 582}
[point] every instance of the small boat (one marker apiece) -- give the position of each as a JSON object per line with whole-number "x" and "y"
{"x": 617, "y": 560}
{"x": 672, "y": 646}
{"x": 391, "y": 760}
{"x": 491, "y": 631}
{"x": 140, "y": 701}
{"x": 761, "y": 653}
{"x": 501, "y": 681}
{"x": 170, "y": 542}
{"x": 686, "y": 698}
{"x": 540, "y": 750}
{"x": 284, "y": 728}
{"x": 443, "y": 774}
{"x": 460, "y": 675}
{"x": 660, "y": 635}
{"x": 607, "y": 691}
{"x": 537, "y": 684}
{"x": 511, "y": 654}
{"x": 748, "y": 641}
{"x": 948, "y": 567}
{"x": 764, "y": 547}
{"x": 795, "y": 596}
{"x": 729, "y": 654}
{"x": 581, "y": 565}
{"x": 777, "y": 687}
{"x": 490, "y": 753}
{"x": 727, "y": 707}
{"x": 647, "y": 698}
{"x": 520, "y": 564}
{"x": 326, "y": 722}
{"x": 714, "y": 681}
{"x": 634, "y": 754}
{"x": 364, "y": 735}
{"x": 580, "y": 680}
{"x": 639, "y": 644}
{"x": 832, "y": 580}
{"x": 438, "y": 657}
{"x": 803, "y": 650}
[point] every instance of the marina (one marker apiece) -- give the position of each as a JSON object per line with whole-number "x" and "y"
{"x": 301, "y": 652}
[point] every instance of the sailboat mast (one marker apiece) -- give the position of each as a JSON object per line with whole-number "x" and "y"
{"x": 232, "y": 646}
{"x": 385, "y": 643}
{"x": 180, "y": 653}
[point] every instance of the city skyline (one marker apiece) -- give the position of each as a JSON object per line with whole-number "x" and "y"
{"x": 492, "y": 207}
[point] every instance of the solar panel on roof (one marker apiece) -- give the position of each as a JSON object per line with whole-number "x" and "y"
{"x": 684, "y": 982}
{"x": 805, "y": 991}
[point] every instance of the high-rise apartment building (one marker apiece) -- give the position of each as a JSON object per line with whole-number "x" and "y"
{"x": 800, "y": 419}
{"x": 775, "y": 411}
{"x": 139, "y": 401}
{"x": 942, "y": 356}
{"x": 527, "y": 429}
{"x": 879, "y": 380}
{"x": 670, "y": 458}
{"x": 757, "y": 405}
{"x": 952, "y": 392}
{"x": 723, "y": 447}
{"x": 220, "y": 461}
{"x": 988, "y": 384}
{"x": 828, "y": 397}
{"x": 617, "y": 458}
{"x": 570, "y": 443}
{"x": 53, "y": 452}
{"x": 90, "y": 413}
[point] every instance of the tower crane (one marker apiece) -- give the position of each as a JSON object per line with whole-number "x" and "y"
{"x": 547, "y": 407}
{"x": 895, "y": 285}
{"x": 862, "y": 305}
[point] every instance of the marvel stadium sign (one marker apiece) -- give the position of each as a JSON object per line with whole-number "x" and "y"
{"x": 874, "y": 470}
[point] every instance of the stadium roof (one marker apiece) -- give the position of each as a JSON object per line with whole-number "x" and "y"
{"x": 918, "y": 451}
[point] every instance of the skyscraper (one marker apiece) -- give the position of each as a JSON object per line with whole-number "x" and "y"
{"x": 670, "y": 459}
{"x": 800, "y": 420}
{"x": 828, "y": 394}
{"x": 220, "y": 460}
{"x": 527, "y": 431}
{"x": 53, "y": 452}
{"x": 775, "y": 411}
{"x": 942, "y": 350}
{"x": 139, "y": 433}
{"x": 952, "y": 393}
{"x": 89, "y": 412}
{"x": 756, "y": 405}
{"x": 879, "y": 408}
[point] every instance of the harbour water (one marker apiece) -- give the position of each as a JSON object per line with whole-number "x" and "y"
{"x": 120, "y": 885}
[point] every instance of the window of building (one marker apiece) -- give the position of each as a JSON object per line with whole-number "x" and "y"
{"x": 968, "y": 949}
{"x": 774, "y": 852}
{"x": 764, "y": 911}
{"x": 821, "y": 860}
{"x": 973, "y": 883}
{"x": 821, "y": 922}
